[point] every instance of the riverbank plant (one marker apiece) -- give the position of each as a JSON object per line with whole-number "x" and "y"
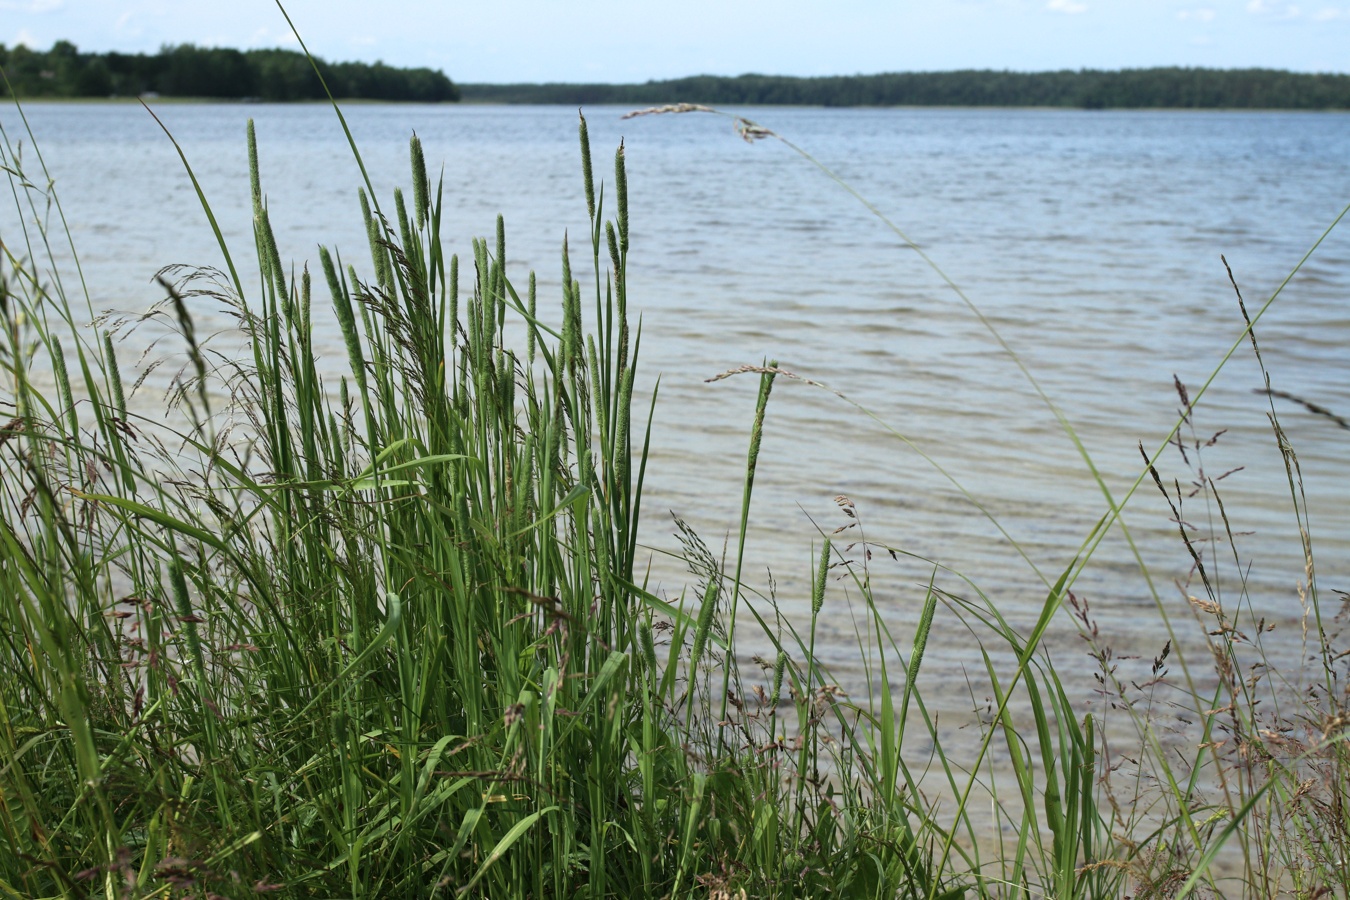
{"x": 388, "y": 635}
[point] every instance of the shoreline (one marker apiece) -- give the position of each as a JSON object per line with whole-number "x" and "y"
{"x": 249, "y": 101}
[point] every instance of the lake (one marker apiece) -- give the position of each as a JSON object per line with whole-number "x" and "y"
{"x": 1091, "y": 241}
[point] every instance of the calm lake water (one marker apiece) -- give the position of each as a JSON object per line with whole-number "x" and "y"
{"x": 1090, "y": 240}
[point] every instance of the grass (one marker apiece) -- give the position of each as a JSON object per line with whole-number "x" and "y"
{"x": 389, "y": 637}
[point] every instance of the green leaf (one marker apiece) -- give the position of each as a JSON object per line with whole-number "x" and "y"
{"x": 505, "y": 844}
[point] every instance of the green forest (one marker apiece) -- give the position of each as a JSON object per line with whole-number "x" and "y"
{"x": 186, "y": 70}
{"x": 1176, "y": 88}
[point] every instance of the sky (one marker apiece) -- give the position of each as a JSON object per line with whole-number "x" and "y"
{"x": 636, "y": 40}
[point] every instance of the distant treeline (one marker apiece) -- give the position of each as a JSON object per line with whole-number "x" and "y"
{"x": 190, "y": 71}
{"x": 1176, "y": 88}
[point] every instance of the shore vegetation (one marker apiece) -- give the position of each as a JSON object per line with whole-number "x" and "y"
{"x": 1156, "y": 88}
{"x": 218, "y": 73}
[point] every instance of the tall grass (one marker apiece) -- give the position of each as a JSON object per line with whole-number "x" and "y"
{"x": 388, "y": 637}
{"x": 384, "y": 637}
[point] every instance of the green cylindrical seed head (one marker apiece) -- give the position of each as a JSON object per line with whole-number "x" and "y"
{"x": 620, "y": 291}
{"x": 501, "y": 251}
{"x": 577, "y": 329}
{"x": 342, "y": 308}
{"x": 612, "y": 240}
{"x": 621, "y": 183}
{"x": 566, "y": 270}
{"x": 621, "y": 453}
{"x": 921, "y": 637}
{"x": 496, "y": 280}
{"x": 506, "y": 393}
{"x": 269, "y": 242}
{"x": 705, "y": 620}
{"x": 596, "y": 390}
{"x": 405, "y": 225}
{"x": 454, "y": 296}
{"x": 63, "y": 386}
{"x": 522, "y": 502}
{"x": 366, "y": 324}
{"x": 779, "y": 666}
{"x": 254, "y": 178}
{"x": 601, "y": 550}
{"x": 335, "y": 455}
{"x": 330, "y": 273}
{"x": 115, "y": 376}
{"x": 377, "y": 254}
{"x": 421, "y": 184}
{"x": 178, "y": 584}
{"x": 475, "y": 312}
{"x": 757, "y": 433}
{"x": 648, "y": 642}
{"x": 555, "y": 444}
{"x": 569, "y": 339}
{"x": 529, "y": 332}
{"x": 586, "y": 166}
{"x": 304, "y": 301}
{"x": 822, "y": 573}
{"x": 365, "y": 209}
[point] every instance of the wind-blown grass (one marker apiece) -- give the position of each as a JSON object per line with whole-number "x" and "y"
{"x": 388, "y": 637}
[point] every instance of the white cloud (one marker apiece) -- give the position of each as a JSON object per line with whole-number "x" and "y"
{"x": 1266, "y": 7}
{"x": 1328, "y": 13}
{"x": 266, "y": 37}
{"x": 1066, "y": 6}
{"x": 25, "y": 37}
{"x": 1197, "y": 15}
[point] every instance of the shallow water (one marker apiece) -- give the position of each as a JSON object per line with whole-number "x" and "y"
{"x": 1090, "y": 240}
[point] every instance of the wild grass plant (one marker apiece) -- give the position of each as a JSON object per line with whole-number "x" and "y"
{"x": 386, "y": 637}
{"x": 389, "y": 636}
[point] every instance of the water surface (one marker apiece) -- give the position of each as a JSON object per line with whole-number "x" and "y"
{"x": 1091, "y": 241}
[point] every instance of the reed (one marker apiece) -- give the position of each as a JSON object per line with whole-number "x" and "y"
{"x": 389, "y": 637}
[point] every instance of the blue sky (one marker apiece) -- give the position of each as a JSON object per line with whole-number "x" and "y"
{"x": 603, "y": 40}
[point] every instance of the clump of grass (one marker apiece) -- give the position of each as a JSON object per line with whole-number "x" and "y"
{"x": 1242, "y": 769}
{"x": 388, "y": 637}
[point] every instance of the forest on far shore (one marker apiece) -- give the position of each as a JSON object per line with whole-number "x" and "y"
{"x": 186, "y": 70}
{"x": 1174, "y": 88}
